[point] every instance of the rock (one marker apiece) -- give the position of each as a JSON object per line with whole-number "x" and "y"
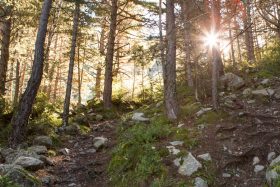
{"x": 277, "y": 94}
{"x": 46, "y": 180}
{"x": 265, "y": 81}
{"x": 175, "y": 143}
{"x": 180, "y": 125}
{"x": 226, "y": 175}
{"x": 173, "y": 150}
{"x": 247, "y": 92}
{"x": 206, "y": 157}
{"x": 139, "y": 116}
{"x": 159, "y": 104}
{"x": 275, "y": 161}
{"x": 72, "y": 129}
{"x": 98, "y": 117}
{"x": 39, "y": 149}
{"x": 256, "y": 160}
{"x": 10, "y": 155}
{"x": 251, "y": 101}
{"x": 203, "y": 111}
{"x": 190, "y": 165}
{"x": 263, "y": 92}
{"x": 258, "y": 168}
{"x": 177, "y": 162}
{"x": 18, "y": 175}
{"x": 99, "y": 142}
{"x": 43, "y": 140}
{"x": 271, "y": 174}
{"x": 229, "y": 103}
{"x": 91, "y": 150}
{"x": 29, "y": 163}
{"x": 80, "y": 119}
{"x": 231, "y": 81}
{"x": 199, "y": 182}
{"x": 64, "y": 151}
{"x": 271, "y": 156}
{"x": 72, "y": 185}
{"x": 221, "y": 94}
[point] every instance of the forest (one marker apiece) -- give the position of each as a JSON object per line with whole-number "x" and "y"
{"x": 148, "y": 93}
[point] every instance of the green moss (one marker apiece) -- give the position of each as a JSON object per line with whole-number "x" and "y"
{"x": 186, "y": 136}
{"x": 5, "y": 181}
{"x": 211, "y": 117}
{"x": 189, "y": 109}
{"x": 84, "y": 129}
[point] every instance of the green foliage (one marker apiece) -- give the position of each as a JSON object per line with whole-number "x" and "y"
{"x": 186, "y": 136}
{"x": 269, "y": 66}
{"x": 211, "y": 117}
{"x": 5, "y": 181}
{"x": 2, "y": 105}
{"x": 135, "y": 159}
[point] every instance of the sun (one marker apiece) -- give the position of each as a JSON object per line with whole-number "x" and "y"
{"x": 211, "y": 39}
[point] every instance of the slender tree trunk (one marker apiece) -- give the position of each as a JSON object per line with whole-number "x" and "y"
{"x": 20, "y": 117}
{"x": 107, "y": 94}
{"x": 98, "y": 81}
{"x": 231, "y": 47}
{"x": 171, "y": 104}
{"x": 15, "y": 101}
{"x": 161, "y": 44}
{"x": 11, "y": 76}
{"x": 187, "y": 40}
{"x": 79, "y": 76}
{"x": 249, "y": 40}
{"x": 71, "y": 65}
{"x": 5, "y": 28}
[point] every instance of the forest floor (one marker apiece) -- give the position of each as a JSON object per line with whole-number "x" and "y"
{"x": 82, "y": 166}
{"x": 250, "y": 131}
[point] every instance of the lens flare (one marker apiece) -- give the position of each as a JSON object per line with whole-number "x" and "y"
{"x": 211, "y": 39}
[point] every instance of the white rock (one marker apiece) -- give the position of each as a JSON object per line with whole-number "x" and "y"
{"x": 263, "y": 92}
{"x": 64, "y": 151}
{"x": 175, "y": 143}
{"x": 173, "y": 150}
{"x": 177, "y": 162}
{"x": 91, "y": 151}
{"x": 29, "y": 162}
{"x": 203, "y": 111}
{"x": 265, "y": 82}
{"x": 181, "y": 125}
{"x": 206, "y": 157}
{"x": 139, "y": 116}
{"x": 258, "y": 168}
{"x": 99, "y": 142}
{"x": 190, "y": 165}
{"x": 199, "y": 182}
{"x": 256, "y": 160}
{"x": 271, "y": 156}
{"x": 251, "y": 101}
{"x": 247, "y": 91}
{"x": 275, "y": 161}
{"x": 226, "y": 175}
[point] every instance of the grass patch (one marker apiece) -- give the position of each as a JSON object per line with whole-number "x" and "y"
{"x": 211, "y": 117}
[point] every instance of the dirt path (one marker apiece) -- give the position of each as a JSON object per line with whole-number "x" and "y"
{"x": 83, "y": 167}
{"x": 233, "y": 145}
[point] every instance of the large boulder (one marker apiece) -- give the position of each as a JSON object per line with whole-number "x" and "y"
{"x": 72, "y": 129}
{"x": 29, "y": 163}
{"x": 43, "y": 140}
{"x": 39, "y": 149}
{"x": 189, "y": 166}
{"x": 203, "y": 111}
{"x": 10, "y": 155}
{"x": 231, "y": 81}
{"x": 19, "y": 176}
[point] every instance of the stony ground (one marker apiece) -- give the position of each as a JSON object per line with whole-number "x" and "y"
{"x": 82, "y": 164}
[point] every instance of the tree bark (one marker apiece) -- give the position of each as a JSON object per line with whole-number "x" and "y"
{"x": 15, "y": 100}
{"x": 5, "y": 28}
{"x": 161, "y": 43}
{"x": 71, "y": 65}
{"x": 20, "y": 117}
{"x": 171, "y": 104}
{"x": 187, "y": 40}
{"x": 249, "y": 40}
{"x": 107, "y": 94}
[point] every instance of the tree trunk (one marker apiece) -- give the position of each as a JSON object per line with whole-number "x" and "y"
{"x": 79, "y": 76}
{"x": 171, "y": 105}
{"x": 20, "y": 117}
{"x": 15, "y": 101}
{"x": 5, "y": 28}
{"x": 71, "y": 65}
{"x": 107, "y": 94}
{"x": 249, "y": 40}
{"x": 161, "y": 43}
{"x": 187, "y": 40}
{"x": 98, "y": 81}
